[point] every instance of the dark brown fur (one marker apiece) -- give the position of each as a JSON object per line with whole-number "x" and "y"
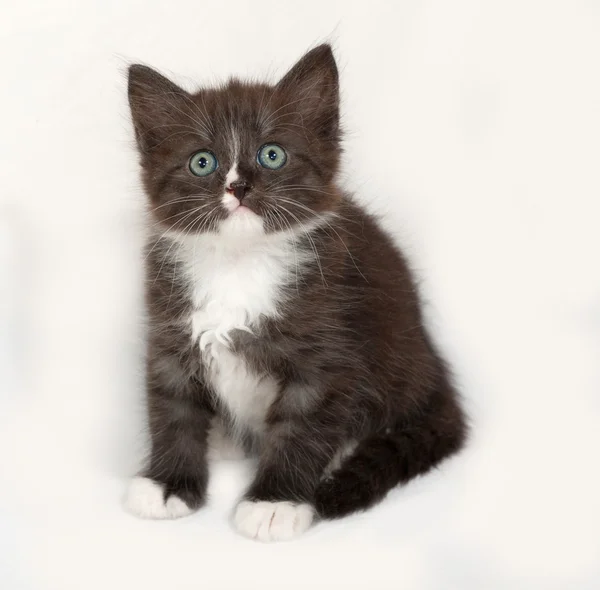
{"x": 350, "y": 351}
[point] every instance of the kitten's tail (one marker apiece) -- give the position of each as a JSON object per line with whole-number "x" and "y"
{"x": 381, "y": 462}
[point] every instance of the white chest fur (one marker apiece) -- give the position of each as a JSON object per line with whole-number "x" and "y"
{"x": 234, "y": 286}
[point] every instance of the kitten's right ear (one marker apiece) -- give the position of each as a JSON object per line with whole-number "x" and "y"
{"x": 155, "y": 104}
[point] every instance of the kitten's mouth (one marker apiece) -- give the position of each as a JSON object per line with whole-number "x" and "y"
{"x": 235, "y": 206}
{"x": 241, "y": 220}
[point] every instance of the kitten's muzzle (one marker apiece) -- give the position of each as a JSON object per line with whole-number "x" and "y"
{"x": 239, "y": 189}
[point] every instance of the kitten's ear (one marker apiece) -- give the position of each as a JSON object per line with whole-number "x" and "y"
{"x": 314, "y": 84}
{"x": 155, "y": 104}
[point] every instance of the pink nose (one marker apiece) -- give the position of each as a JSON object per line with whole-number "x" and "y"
{"x": 239, "y": 188}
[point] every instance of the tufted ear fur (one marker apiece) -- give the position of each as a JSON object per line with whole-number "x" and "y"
{"x": 155, "y": 104}
{"x": 313, "y": 83}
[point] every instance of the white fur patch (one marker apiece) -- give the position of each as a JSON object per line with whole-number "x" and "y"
{"x": 236, "y": 279}
{"x": 145, "y": 498}
{"x": 247, "y": 395}
{"x": 221, "y": 447}
{"x": 232, "y": 176}
{"x": 272, "y": 521}
{"x": 233, "y": 290}
{"x": 242, "y": 225}
{"x": 230, "y": 202}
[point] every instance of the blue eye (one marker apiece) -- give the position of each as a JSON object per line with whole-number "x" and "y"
{"x": 203, "y": 163}
{"x": 271, "y": 156}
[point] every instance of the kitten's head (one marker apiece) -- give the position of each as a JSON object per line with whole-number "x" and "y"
{"x": 243, "y": 157}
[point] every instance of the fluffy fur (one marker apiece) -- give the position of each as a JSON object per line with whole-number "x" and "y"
{"x": 278, "y": 308}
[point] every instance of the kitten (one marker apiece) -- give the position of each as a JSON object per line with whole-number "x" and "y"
{"x": 277, "y": 307}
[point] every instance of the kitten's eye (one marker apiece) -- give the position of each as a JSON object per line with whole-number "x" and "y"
{"x": 203, "y": 163}
{"x": 271, "y": 156}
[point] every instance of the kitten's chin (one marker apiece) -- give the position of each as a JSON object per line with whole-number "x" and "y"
{"x": 242, "y": 223}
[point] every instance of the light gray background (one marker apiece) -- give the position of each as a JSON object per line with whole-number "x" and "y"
{"x": 473, "y": 127}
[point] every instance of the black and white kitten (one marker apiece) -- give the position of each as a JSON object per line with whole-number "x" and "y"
{"x": 278, "y": 309}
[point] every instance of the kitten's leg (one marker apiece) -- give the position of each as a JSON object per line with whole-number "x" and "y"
{"x": 296, "y": 451}
{"x": 174, "y": 483}
{"x": 412, "y": 444}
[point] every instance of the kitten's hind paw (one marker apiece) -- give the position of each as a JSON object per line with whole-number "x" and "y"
{"x": 146, "y": 499}
{"x": 272, "y": 521}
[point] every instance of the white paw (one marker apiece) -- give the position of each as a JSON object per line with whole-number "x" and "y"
{"x": 272, "y": 521}
{"x": 145, "y": 498}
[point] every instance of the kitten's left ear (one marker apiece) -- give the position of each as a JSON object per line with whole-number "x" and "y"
{"x": 156, "y": 104}
{"x": 314, "y": 84}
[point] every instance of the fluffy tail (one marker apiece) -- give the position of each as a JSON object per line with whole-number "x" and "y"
{"x": 381, "y": 462}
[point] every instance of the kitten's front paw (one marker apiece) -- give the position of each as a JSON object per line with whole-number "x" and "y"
{"x": 272, "y": 521}
{"x": 146, "y": 499}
